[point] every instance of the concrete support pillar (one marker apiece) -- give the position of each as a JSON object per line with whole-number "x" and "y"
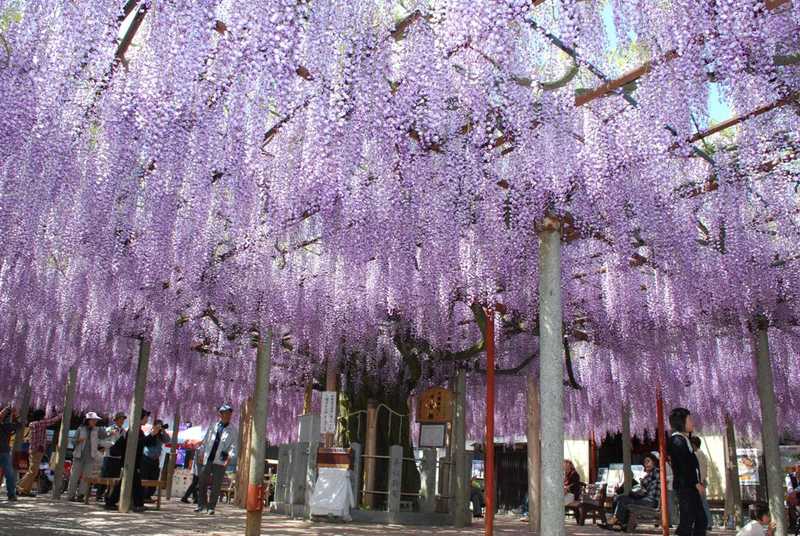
{"x": 534, "y": 456}
{"x": 173, "y": 450}
{"x": 358, "y": 466}
{"x": 282, "y": 484}
{"x": 298, "y": 464}
{"x": 461, "y": 488}
{"x": 24, "y": 409}
{"x": 134, "y": 418}
{"x": 370, "y": 450}
{"x": 311, "y": 474}
{"x": 733, "y": 490}
{"x": 427, "y": 489}
{"x": 627, "y": 448}
{"x": 551, "y": 378}
{"x": 769, "y": 427}
{"x": 395, "y": 478}
{"x": 63, "y": 435}
{"x": 258, "y": 435}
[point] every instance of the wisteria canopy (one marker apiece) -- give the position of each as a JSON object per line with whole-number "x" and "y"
{"x": 358, "y": 177}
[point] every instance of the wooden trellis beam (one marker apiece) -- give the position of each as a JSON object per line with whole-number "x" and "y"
{"x": 740, "y": 119}
{"x": 639, "y": 72}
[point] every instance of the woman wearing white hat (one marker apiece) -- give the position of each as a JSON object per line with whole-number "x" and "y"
{"x": 85, "y": 456}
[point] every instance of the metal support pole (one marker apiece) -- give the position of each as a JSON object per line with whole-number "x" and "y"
{"x": 551, "y": 378}
{"x": 459, "y": 446}
{"x": 173, "y": 450}
{"x": 769, "y": 427}
{"x": 627, "y": 448}
{"x": 63, "y": 435}
{"x": 489, "y": 441}
{"x": 134, "y": 419}
{"x": 258, "y": 436}
{"x": 534, "y": 456}
{"x": 662, "y": 463}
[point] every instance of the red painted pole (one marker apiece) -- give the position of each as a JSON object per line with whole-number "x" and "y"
{"x": 489, "y": 462}
{"x": 662, "y": 463}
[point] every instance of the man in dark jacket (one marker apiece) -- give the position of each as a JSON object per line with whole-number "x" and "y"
{"x": 686, "y": 480}
{"x": 138, "y": 492}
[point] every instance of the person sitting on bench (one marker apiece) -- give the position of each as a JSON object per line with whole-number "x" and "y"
{"x": 476, "y": 498}
{"x": 646, "y": 494}
{"x": 572, "y": 483}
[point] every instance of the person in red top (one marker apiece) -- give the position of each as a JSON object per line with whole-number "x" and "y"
{"x": 38, "y": 442}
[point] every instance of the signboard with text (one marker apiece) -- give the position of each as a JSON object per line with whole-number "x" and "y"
{"x": 328, "y": 413}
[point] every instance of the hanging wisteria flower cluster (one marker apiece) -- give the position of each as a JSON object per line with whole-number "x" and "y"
{"x": 353, "y": 177}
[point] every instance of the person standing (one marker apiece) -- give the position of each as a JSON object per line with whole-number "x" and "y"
{"x": 85, "y": 456}
{"x": 686, "y": 480}
{"x": 111, "y": 466}
{"x": 219, "y": 443}
{"x": 197, "y": 468}
{"x": 151, "y": 455}
{"x": 702, "y": 461}
{"x": 38, "y": 442}
{"x": 9, "y": 425}
{"x": 137, "y": 497}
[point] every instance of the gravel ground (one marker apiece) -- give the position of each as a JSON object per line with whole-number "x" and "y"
{"x": 44, "y": 517}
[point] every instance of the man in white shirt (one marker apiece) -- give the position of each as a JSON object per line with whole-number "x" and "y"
{"x": 219, "y": 446}
{"x": 762, "y": 525}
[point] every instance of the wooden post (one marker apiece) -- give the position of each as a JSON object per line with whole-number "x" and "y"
{"x": 592, "y": 458}
{"x": 733, "y": 490}
{"x": 173, "y": 449}
{"x": 307, "y": 397}
{"x": 258, "y": 439}
{"x": 488, "y": 469}
{"x": 134, "y": 420}
{"x": 551, "y": 378}
{"x": 370, "y": 450}
{"x": 63, "y": 435}
{"x": 769, "y": 427}
{"x": 24, "y": 409}
{"x": 627, "y": 448}
{"x": 459, "y": 454}
{"x": 243, "y": 465}
{"x": 534, "y": 455}
{"x": 662, "y": 463}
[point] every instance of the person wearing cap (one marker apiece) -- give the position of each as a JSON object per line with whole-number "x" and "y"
{"x": 151, "y": 455}
{"x": 137, "y": 497}
{"x": 114, "y": 446}
{"x": 85, "y": 456}
{"x": 219, "y": 446}
{"x": 37, "y": 443}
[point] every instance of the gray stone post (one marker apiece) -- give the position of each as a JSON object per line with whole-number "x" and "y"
{"x": 551, "y": 378}
{"x": 63, "y": 435}
{"x": 311, "y": 474}
{"x": 461, "y": 487}
{"x": 258, "y": 435}
{"x": 395, "y": 478}
{"x": 357, "y": 468}
{"x": 627, "y": 448}
{"x": 427, "y": 488}
{"x": 134, "y": 419}
{"x": 769, "y": 427}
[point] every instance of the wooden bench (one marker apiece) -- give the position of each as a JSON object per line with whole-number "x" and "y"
{"x": 574, "y": 508}
{"x": 111, "y": 482}
{"x": 594, "y": 507}
{"x": 640, "y": 512}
